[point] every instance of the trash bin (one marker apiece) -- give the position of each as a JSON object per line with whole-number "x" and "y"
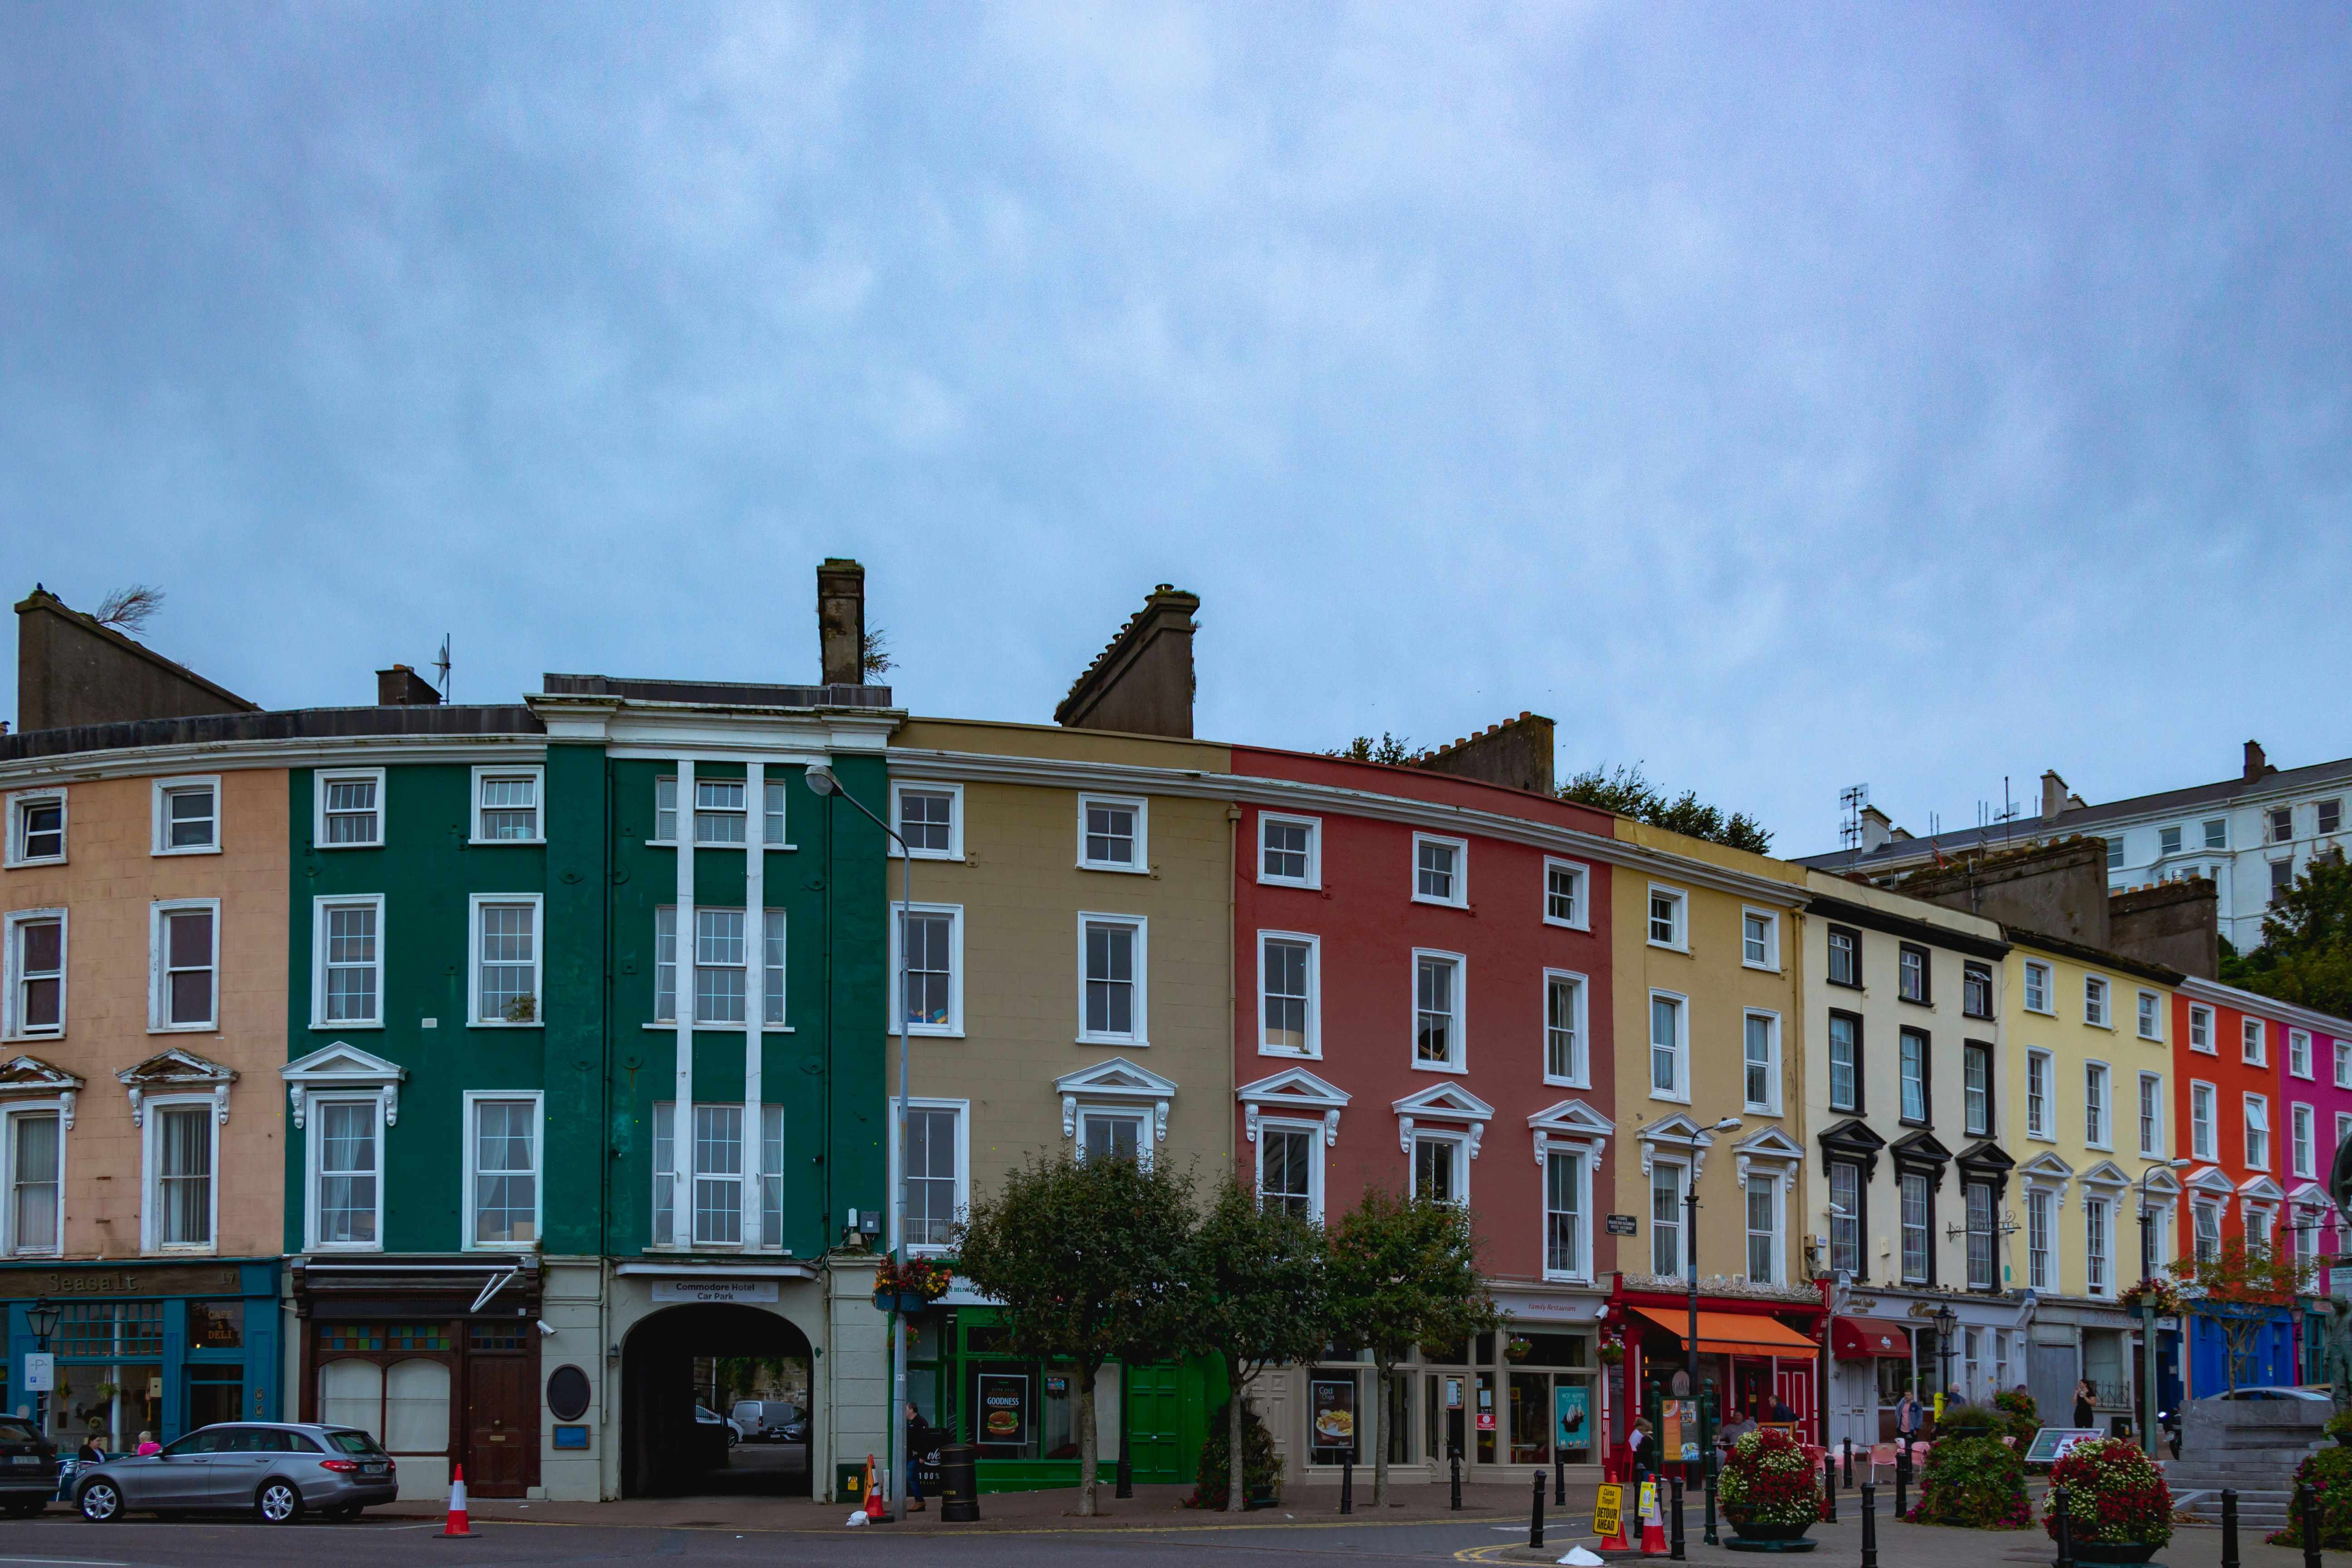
{"x": 960, "y": 1483}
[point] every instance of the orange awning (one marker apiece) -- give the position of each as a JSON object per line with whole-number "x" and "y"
{"x": 1734, "y": 1334}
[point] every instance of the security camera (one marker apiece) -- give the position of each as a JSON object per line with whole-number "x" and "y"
{"x": 544, "y": 1328}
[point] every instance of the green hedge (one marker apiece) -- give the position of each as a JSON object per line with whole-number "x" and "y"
{"x": 2330, "y": 1471}
{"x": 1978, "y": 1482}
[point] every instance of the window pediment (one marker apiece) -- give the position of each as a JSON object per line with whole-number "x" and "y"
{"x": 1292, "y": 1092}
{"x": 2260, "y": 1190}
{"x": 176, "y": 1071}
{"x": 1678, "y": 1137}
{"x": 1116, "y": 1079}
{"x": 1572, "y": 1123}
{"x": 1441, "y": 1102}
{"x": 31, "y": 1077}
{"x": 340, "y": 1068}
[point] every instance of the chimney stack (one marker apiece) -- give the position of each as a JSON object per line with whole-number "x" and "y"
{"x": 841, "y": 621}
{"x": 401, "y": 687}
{"x": 1878, "y": 830}
{"x": 2053, "y": 794}
{"x": 1143, "y": 683}
{"x": 2257, "y": 764}
{"x": 1515, "y": 753}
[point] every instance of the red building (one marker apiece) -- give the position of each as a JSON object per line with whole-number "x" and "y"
{"x": 1422, "y": 1003}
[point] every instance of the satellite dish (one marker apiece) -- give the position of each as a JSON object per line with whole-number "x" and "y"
{"x": 2339, "y": 1176}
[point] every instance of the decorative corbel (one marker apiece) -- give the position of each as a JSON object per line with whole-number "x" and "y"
{"x": 392, "y": 1105}
{"x": 1249, "y": 1122}
{"x": 1743, "y": 1170}
{"x": 65, "y": 1109}
{"x": 1404, "y": 1133}
{"x": 1330, "y": 1128}
{"x": 138, "y": 1106}
{"x": 294, "y": 1093}
{"x": 1070, "y": 1115}
{"x": 1543, "y": 1145}
{"x": 1477, "y": 1130}
{"x": 1159, "y": 1121}
{"x": 220, "y": 1104}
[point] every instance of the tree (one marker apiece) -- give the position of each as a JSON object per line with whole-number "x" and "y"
{"x": 1392, "y": 750}
{"x": 1255, "y": 1280}
{"x": 2240, "y": 1289}
{"x": 1626, "y": 791}
{"x": 128, "y": 609}
{"x": 1087, "y": 1257}
{"x": 2306, "y": 953}
{"x": 1403, "y": 1272}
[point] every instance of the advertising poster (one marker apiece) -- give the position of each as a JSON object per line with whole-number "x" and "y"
{"x": 1670, "y": 1431}
{"x": 1003, "y": 1409}
{"x": 1689, "y": 1422}
{"x": 1331, "y": 1410}
{"x": 1572, "y": 1419}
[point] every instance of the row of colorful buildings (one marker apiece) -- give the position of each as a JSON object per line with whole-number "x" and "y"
{"x": 465, "y": 1071}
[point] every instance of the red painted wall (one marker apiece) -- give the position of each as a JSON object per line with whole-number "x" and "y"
{"x": 2233, "y": 1079}
{"x": 1369, "y": 926}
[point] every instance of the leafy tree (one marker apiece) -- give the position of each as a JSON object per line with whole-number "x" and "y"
{"x": 1626, "y": 792}
{"x": 1087, "y": 1257}
{"x": 2240, "y": 1290}
{"x": 1403, "y": 1272}
{"x": 2306, "y": 953}
{"x": 1392, "y": 750}
{"x": 1255, "y": 1281}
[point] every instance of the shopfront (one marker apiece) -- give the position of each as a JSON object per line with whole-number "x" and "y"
{"x": 1758, "y": 1354}
{"x": 1870, "y": 1370}
{"x": 438, "y": 1359}
{"x": 143, "y": 1347}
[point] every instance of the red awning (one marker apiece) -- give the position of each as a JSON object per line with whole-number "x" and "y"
{"x": 1734, "y": 1334}
{"x": 1859, "y": 1339}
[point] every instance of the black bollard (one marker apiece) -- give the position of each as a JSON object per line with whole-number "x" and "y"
{"x": 1849, "y": 1461}
{"x": 1535, "y": 1520}
{"x": 2228, "y": 1528}
{"x": 1829, "y": 1488}
{"x": 1458, "y": 1481}
{"x": 1348, "y": 1483}
{"x": 1559, "y": 1479}
{"x": 1675, "y": 1530}
{"x": 2066, "y": 1527}
{"x": 1902, "y": 1476}
{"x": 2307, "y": 1514}
{"x": 1869, "y": 1525}
{"x": 1126, "y": 1467}
{"x": 1710, "y": 1536}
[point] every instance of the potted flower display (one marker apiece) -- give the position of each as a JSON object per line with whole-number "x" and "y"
{"x": 1612, "y": 1349}
{"x": 1769, "y": 1491}
{"x": 2118, "y": 1508}
{"x": 2161, "y": 1294}
{"x": 1517, "y": 1349}
{"x": 911, "y": 1288}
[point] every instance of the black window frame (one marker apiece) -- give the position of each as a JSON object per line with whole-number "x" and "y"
{"x": 1934, "y": 1178}
{"x": 1970, "y": 1050}
{"x": 1852, "y": 934}
{"x": 1976, "y": 980}
{"x": 1861, "y": 1216}
{"x": 1992, "y": 1234}
{"x": 1927, "y": 1117}
{"x": 1861, "y": 1086}
{"x": 1926, "y": 997}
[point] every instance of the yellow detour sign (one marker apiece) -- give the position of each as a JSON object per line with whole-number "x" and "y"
{"x": 1608, "y": 1512}
{"x": 1650, "y": 1503}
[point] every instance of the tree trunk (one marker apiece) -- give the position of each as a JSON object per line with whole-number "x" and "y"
{"x": 1087, "y": 1441}
{"x": 1380, "y": 1370}
{"x": 1237, "y": 1487}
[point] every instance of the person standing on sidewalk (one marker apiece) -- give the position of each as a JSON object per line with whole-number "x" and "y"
{"x": 2085, "y": 1417}
{"x": 1907, "y": 1418}
{"x": 918, "y": 1439}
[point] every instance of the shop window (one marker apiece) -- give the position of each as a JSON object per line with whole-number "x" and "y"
{"x": 403, "y": 1407}
{"x": 215, "y": 1325}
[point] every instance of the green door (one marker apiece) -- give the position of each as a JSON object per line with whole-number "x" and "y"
{"x": 1155, "y": 1424}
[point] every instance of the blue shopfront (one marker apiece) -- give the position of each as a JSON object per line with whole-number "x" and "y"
{"x": 2266, "y": 1351}
{"x": 163, "y": 1347}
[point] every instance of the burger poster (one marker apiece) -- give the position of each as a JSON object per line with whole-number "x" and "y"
{"x": 1331, "y": 1416}
{"x": 1003, "y": 1409}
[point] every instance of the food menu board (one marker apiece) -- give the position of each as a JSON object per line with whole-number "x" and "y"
{"x": 1331, "y": 1417}
{"x": 1004, "y": 1411}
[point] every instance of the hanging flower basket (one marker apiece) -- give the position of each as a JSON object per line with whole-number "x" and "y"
{"x": 2163, "y": 1294}
{"x": 1517, "y": 1349}
{"x": 911, "y": 1288}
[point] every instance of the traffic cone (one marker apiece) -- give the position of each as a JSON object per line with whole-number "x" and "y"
{"x": 1617, "y": 1542}
{"x": 1654, "y": 1528}
{"x": 458, "y": 1528}
{"x": 875, "y": 1512}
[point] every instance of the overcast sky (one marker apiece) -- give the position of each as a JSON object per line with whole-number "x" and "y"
{"x": 1781, "y": 395}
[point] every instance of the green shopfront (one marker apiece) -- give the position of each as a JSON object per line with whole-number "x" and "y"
{"x": 163, "y": 1347}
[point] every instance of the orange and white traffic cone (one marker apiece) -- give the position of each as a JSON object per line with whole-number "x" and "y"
{"x": 458, "y": 1528}
{"x": 1617, "y": 1543}
{"x": 1654, "y": 1528}
{"x": 875, "y": 1512}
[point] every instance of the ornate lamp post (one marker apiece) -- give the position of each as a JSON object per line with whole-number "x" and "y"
{"x": 2148, "y": 1420}
{"x": 1690, "y": 1270}
{"x": 42, "y": 1317}
{"x": 1947, "y": 1322}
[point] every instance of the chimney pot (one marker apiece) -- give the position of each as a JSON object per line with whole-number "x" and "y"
{"x": 841, "y": 622}
{"x": 2257, "y": 764}
{"x": 2053, "y": 794}
{"x": 401, "y": 687}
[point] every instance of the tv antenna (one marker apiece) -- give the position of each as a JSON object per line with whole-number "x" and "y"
{"x": 1850, "y": 801}
{"x": 441, "y": 663}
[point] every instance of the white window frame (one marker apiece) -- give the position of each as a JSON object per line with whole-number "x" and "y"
{"x": 2098, "y": 1267}
{"x": 151, "y": 1169}
{"x": 10, "y": 1111}
{"x": 1770, "y": 1105}
{"x": 1140, "y": 865}
{"x": 2151, "y": 1149}
{"x": 2171, "y": 839}
{"x": 1579, "y": 1061}
{"x": 1458, "y": 1036}
{"x": 158, "y": 968}
{"x": 159, "y": 810}
{"x": 318, "y": 782}
{"x": 2038, "y": 1124}
{"x": 962, "y": 1109}
{"x": 2202, "y": 1038}
{"x": 2198, "y": 1211}
{"x": 1141, "y": 926}
{"x": 1586, "y": 1156}
{"x": 2102, "y": 1074}
{"x": 2204, "y": 1132}
{"x": 893, "y": 986}
{"x": 1770, "y": 963}
{"x": 314, "y": 1140}
{"x": 1903, "y": 1229}
{"x": 319, "y": 907}
{"x": 2275, "y": 831}
{"x": 2149, "y": 1018}
{"x": 1778, "y": 1202}
{"x": 1460, "y": 1141}
{"x": 954, "y": 791}
{"x": 1579, "y": 903}
{"x": 2342, "y": 1062}
{"x": 17, "y": 802}
{"x": 2041, "y": 1214}
{"x": 2043, "y": 977}
{"x": 1313, "y": 1049}
{"x": 2302, "y": 1138}
{"x": 1113, "y": 1110}
{"x": 1680, "y": 923}
{"x": 474, "y": 906}
{"x": 537, "y": 774}
{"x": 1313, "y": 1132}
{"x": 2298, "y": 1050}
{"x": 11, "y": 959}
{"x": 1314, "y": 826}
{"x": 1680, "y": 1094}
{"x": 473, "y": 1099}
{"x": 2257, "y": 1105}
{"x": 1682, "y": 1173}
{"x": 2101, "y": 1013}
{"x": 1460, "y": 899}
{"x": 2253, "y": 1042}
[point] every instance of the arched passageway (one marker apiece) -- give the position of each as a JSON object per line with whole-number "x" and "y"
{"x": 667, "y": 1450}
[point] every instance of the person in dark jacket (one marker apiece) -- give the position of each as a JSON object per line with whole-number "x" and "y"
{"x": 920, "y": 1440}
{"x": 2083, "y": 1415}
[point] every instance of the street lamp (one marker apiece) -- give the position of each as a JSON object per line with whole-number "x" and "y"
{"x": 1947, "y": 1321}
{"x": 1837, "y": 1212}
{"x": 2147, "y": 1418}
{"x": 1690, "y": 1255}
{"x": 821, "y": 781}
{"x": 42, "y": 1317}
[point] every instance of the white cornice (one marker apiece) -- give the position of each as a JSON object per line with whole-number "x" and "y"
{"x": 634, "y": 727}
{"x": 1287, "y": 794}
{"x": 321, "y": 750}
{"x": 2268, "y": 1006}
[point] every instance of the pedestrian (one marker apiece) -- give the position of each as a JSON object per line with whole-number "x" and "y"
{"x": 2083, "y": 1415}
{"x": 918, "y": 1439}
{"x": 1907, "y": 1418}
{"x": 89, "y": 1453}
{"x": 1639, "y": 1447}
{"x": 147, "y": 1445}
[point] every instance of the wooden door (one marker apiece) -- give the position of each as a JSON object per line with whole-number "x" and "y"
{"x": 1796, "y": 1390}
{"x": 1154, "y": 1433}
{"x": 502, "y": 1426}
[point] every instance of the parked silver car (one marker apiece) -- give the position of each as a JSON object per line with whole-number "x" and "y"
{"x": 277, "y": 1469}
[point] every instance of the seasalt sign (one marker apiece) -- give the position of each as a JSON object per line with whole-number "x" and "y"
{"x": 714, "y": 1290}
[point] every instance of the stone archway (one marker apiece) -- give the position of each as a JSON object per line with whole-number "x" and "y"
{"x": 665, "y": 1450}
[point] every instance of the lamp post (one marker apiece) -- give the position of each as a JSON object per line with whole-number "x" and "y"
{"x": 1828, "y": 1327}
{"x": 42, "y": 1317}
{"x": 2147, "y": 1418}
{"x": 1947, "y": 1321}
{"x": 821, "y": 780}
{"x": 1690, "y": 1270}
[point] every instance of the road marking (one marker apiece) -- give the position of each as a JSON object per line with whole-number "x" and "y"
{"x": 69, "y": 1561}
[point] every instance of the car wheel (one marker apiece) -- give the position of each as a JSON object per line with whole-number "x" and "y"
{"x": 100, "y": 1502}
{"x": 279, "y": 1502}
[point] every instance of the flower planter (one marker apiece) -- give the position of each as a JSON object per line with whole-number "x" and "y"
{"x": 888, "y": 1301}
{"x": 2113, "y": 1552}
